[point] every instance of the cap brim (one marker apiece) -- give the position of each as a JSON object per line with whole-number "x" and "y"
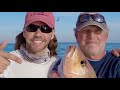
{"x": 102, "y": 26}
{"x": 42, "y": 19}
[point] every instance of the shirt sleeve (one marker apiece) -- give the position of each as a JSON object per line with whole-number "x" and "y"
{"x": 55, "y": 68}
{"x": 118, "y": 70}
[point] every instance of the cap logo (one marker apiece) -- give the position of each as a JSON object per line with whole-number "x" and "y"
{"x": 38, "y": 13}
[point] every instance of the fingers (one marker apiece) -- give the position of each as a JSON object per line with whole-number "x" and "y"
{"x": 3, "y": 64}
{"x": 6, "y": 57}
{"x": 3, "y": 44}
{"x": 10, "y": 56}
{"x": 55, "y": 75}
{"x": 4, "y": 61}
{"x": 116, "y": 52}
{"x": 1, "y": 71}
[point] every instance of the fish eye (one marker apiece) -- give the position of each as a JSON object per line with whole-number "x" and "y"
{"x": 83, "y": 62}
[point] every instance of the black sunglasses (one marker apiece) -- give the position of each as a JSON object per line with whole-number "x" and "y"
{"x": 43, "y": 28}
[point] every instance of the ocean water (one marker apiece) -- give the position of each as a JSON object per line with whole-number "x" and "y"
{"x": 63, "y": 46}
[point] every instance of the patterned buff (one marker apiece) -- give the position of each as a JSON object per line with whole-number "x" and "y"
{"x": 34, "y": 58}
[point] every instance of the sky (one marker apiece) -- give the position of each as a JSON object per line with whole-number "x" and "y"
{"x": 11, "y": 24}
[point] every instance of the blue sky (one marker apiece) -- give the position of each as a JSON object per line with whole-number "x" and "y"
{"x": 11, "y": 24}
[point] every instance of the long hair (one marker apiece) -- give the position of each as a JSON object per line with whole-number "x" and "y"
{"x": 52, "y": 45}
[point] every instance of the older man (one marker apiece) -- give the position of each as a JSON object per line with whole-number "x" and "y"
{"x": 91, "y": 33}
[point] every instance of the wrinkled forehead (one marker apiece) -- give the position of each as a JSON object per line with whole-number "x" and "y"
{"x": 91, "y": 27}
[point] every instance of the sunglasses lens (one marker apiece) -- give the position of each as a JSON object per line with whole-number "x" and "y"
{"x": 32, "y": 28}
{"x": 96, "y": 17}
{"x": 43, "y": 28}
{"x": 84, "y": 18}
{"x": 46, "y": 29}
{"x": 99, "y": 18}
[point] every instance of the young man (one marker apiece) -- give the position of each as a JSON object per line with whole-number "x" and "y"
{"x": 91, "y": 33}
{"x": 35, "y": 46}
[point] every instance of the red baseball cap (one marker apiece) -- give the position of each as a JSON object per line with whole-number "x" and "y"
{"x": 46, "y": 17}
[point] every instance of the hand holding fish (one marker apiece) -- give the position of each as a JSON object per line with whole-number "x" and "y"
{"x": 75, "y": 64}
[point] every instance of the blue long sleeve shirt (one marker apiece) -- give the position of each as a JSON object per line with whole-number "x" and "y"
{"x": 107, "y": 67}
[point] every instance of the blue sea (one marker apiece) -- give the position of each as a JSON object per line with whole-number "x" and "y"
{"x": 63, "y": 46}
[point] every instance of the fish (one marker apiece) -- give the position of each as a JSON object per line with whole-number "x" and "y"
{"x": 75, "y": 65}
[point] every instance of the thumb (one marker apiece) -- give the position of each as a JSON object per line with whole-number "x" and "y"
{"x": 3, "y": 44}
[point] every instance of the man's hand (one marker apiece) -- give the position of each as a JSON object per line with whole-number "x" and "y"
{"x": 54, "y": 75}
{"x": 116, "y": 52}
{"x": 6, "y": 57}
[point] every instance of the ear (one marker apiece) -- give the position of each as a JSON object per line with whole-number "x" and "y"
{"x": 24, "y": 33}
{"x": 107, "y": 35}
{"x": 53, "y": 33}
{"x": 76, "y": 34}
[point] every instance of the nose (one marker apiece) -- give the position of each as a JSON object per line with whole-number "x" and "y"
{"x": 91, "y": 35}
{"x": 38, "y": 32}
